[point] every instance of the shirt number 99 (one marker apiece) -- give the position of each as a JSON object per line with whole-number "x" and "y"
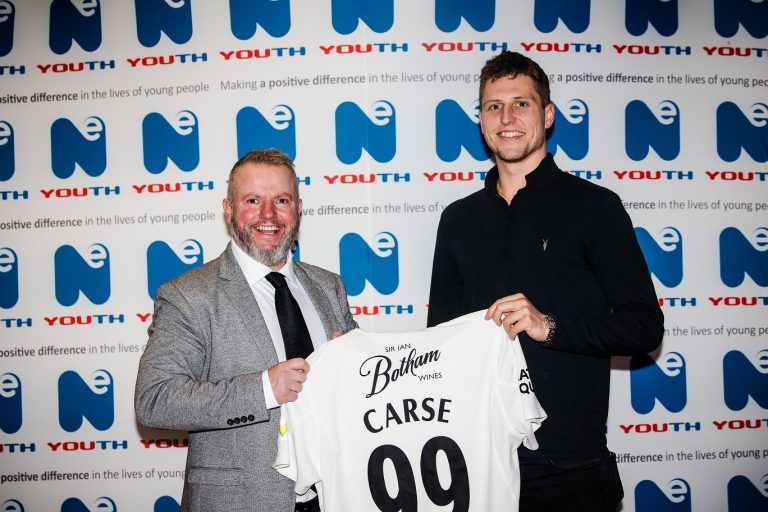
{"x": 406, "y": 499}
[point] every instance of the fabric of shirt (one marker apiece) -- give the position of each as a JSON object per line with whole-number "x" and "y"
{"x": 430, "y": 418}
{"x": 255, "y": 273}
{"x": 569, "y": 246}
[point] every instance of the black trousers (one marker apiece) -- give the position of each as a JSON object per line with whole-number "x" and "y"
{"x": 570, "y": 485}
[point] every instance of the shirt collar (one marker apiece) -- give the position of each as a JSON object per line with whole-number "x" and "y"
{"x": 533, "y": 180}
{"x": 255, "y": 271}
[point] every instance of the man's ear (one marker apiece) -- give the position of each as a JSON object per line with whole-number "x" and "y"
{"x": 227, "y": 207}
{"x": 549, "y": 115}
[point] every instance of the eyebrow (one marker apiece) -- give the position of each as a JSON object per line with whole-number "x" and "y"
{"x": 513, "y": 98}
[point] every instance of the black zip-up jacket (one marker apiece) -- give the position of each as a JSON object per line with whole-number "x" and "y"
{"x": 569, "y": 246}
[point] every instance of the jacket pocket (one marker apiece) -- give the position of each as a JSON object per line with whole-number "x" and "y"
{"x": 215, "y": 476}
{"x": 215, "y": 489}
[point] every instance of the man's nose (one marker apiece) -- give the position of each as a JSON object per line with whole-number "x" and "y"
{"x": 507, "y": 114}
{"x": 267, "y": 210}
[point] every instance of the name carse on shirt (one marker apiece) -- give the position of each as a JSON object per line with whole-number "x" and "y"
{"x": 382, "y": 371}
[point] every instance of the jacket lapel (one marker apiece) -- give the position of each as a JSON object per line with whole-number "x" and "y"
{"x": 241, "y": 296}
{"x": 319, "y": 299}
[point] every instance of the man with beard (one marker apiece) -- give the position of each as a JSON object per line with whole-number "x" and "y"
{"x": 555, "y": 260}
{"x": 215, "y": 364}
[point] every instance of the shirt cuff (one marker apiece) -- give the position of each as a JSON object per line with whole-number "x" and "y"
{"x": 269, "y": 397}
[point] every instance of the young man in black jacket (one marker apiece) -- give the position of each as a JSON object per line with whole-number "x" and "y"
{"x": 556, "y": 259}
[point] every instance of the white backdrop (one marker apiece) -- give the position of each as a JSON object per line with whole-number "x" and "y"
{"x": 120, "y": 120}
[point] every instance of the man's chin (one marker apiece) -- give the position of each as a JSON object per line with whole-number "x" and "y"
{"x": 269, "y": 251}
{"x": 511, "y": 158}
{"x": 270, "y": 259}
{"x": 270, "y": 255}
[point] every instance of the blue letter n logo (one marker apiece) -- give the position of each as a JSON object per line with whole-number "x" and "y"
{"x": 570, "y": 130}
{"x": 665, "y": 383}
{"x": 75, "y": 274}
{"x": 736, "y": 131}
{"x": 74, "y": 20}
{"x": 71, "y": 148}
{"x": 743, "y": 379}
{"x": 9, "y": 278}
{"x": 7, "y": 152}
{"x": 480, "y": 14}
{"x": 7, "y": 19}
{"x": 746, "y": 496}
{"x": 658, "y": 129}
{"x": 674, "y": 497}
{"x": 164, "y": 264}
{"x": 93, "y": 400}
{"x": 740, "y": 257}
{"x": 177, "y": 141}
{"x": 355, "y": 132}
{"x": 574, "y": 13}
{"x": 255, "y": 131}
{"x": 273, "y": 15}
{"x": 454, "y": 129}
{"x": 665, "y": 258}
{"x": 10, "y": 403}
{"x": 751, "y": 14}
{"x": 171, "y": 17}
{"x": 377, "y": 14}
{"x": 662, "y": 14}
{"x": 377, "y": 264}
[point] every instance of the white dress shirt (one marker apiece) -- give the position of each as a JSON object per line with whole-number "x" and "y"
{"x": 255, "y": 273}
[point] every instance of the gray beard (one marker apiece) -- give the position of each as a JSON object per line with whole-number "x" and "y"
{"x": 270, "y": 258}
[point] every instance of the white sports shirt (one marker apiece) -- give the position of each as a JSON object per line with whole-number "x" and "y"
{"x": 422, "y": 420}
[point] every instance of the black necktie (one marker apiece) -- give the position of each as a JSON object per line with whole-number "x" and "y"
{"x": 296, "y": 337}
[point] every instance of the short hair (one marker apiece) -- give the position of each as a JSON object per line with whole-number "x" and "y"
{"x": 271, "y": 156}
{"x": 510, "y": 64}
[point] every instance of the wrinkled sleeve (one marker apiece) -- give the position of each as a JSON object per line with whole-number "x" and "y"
{"x": 297, "y": 449}
{"x": 517, "y": 403}
{"x": 634, "y": 324}
{"x": 171, "y": 388}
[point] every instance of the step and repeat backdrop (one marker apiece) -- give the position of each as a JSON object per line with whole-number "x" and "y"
{"x": 119, "y": 121}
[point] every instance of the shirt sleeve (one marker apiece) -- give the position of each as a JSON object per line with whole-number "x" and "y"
{"x": 634, "y": 324}
{"x": 171, "y": 392}
{"x": 521, "y": 410}
{"x": 533, "y": 413}
{"x": 297, "y": 455}
{"x": 446, "y": 288}
{"x": 269, "y": 396}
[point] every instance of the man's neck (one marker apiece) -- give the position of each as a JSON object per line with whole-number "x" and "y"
{"x": 276, "y": 268}
{"x": 512, "y": 175}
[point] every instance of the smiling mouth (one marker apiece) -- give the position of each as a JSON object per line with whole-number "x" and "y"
{"x": 511, "y": 134}
{"x": 267, "y": 229}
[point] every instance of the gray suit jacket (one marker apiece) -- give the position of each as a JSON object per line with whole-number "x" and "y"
{"x": 201, "y": 373}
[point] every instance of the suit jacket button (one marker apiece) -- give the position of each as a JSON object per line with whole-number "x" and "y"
{"x": 251, "y": 417}
{"x": 229, "y": 422}
{"x": 237, "y": 421}
{"x": 244, "y": 419}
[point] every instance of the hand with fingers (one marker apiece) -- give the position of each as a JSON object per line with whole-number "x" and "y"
{"x": 517, "y": 314}
{"x": 287, "y": 379}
